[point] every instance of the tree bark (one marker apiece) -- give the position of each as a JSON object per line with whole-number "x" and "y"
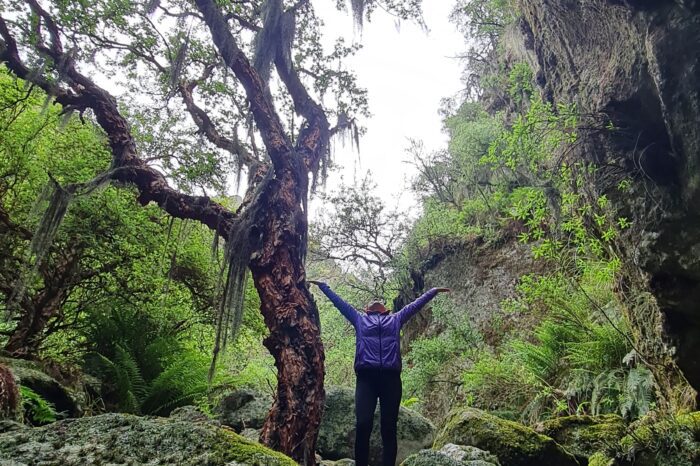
{"x": 27, "y": 337}
{"x": 290, "y": 313}
{"x": 25, "y": 340}
{"x": 277, "y": 263}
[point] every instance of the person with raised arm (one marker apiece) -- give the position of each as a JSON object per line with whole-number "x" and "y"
{"x": 377, "y": 367}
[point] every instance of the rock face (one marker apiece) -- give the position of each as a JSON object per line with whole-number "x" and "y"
{"x": 452, "y": 455}
{"x": 127, "y": 439}
{"x": 513, "y": 443}
{"x": 243, "y": 409}
{"x": 583, "y": 436}
{"x": 343, "y": 462}
{"x": 29, "y": 374}
{"x": 637, "y": 64}
{"x": 481, "y": 276}
{"x": 336, "y": 438}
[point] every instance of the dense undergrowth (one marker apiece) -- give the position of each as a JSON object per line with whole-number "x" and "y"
{"x": 136, "y": 306}
{"x": 578, "y": 356}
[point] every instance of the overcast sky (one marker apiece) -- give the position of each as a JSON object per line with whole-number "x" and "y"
{"x": 407, "y": 71}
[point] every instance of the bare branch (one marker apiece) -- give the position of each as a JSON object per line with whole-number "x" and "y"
{"x": 278, "y": 144}
{"x": 314, "y": 135}
{"x": 206, "y": 125}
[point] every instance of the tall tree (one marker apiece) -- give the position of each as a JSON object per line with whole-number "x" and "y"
{"x": 218, "y": 58}
{"x": 360, "y": 231}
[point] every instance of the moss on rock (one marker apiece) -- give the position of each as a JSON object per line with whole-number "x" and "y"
{"x": 233, "y": 447}
{"x": 430, "y": 458}
{"x": 128, "y": 439}
{"x": 343, "y": 462}
{"x": 600, "y": 459}
{"x": 31, "y": 375}
{"x": 582, "y": 436}
{"x": 513, "y": 443}
{"x": 673, "y": 441}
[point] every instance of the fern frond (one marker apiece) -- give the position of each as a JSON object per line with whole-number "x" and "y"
{"x": 39, "y": 410}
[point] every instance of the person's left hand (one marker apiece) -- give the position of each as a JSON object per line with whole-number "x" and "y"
{"x": 443, "y": 290}
{"x": 316, "y": 282}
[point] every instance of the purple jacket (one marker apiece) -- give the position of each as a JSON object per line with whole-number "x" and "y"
{"x": 377, "y": 335}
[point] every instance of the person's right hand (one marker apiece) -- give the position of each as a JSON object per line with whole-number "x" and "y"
{"x": 316, "y": 282}
{"x": 443, "y": 290}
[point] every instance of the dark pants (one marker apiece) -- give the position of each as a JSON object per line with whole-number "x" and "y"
{"x": 386, "y": 386}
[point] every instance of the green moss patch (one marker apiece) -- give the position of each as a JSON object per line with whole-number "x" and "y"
{"x": 582, "y": 436}
{"x": 128, "y": 439}
{"x": 668, "y": 441}
{"x": 514, "y": 444}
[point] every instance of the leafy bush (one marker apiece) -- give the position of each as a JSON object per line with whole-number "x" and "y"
{"x": 433, "y": 364}
{"x": 520, "y": 83}
{"x": 578, "y": 361}
{"x": 440, "y": 222}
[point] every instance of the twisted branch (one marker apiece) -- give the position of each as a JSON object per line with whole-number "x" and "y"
{"x": 82, "y": 93}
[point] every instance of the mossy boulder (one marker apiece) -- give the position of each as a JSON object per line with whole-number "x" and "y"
{"x": 513, "y": 443}
{"x": 452, "y": 455}
{"x": 127, "y": 439}
{"x": 66, "y": 401}
{"x": 343, "y": 462}
{"x": 188, "y": 413}
{"x": 667, "y": 441}
{"x": 582, "y": 436}
{"x": 251, "y": 434}
{"x": 243, "y": 409}
{"x": 336, "y": 437}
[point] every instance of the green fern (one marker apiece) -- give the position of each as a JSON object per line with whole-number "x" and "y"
{"x": 182, "y": 382}
{"x": 638, "y": 395}
{"x": 125, "y": 375}
{"x": 576, "y": 362}
{"x": 37, "y": 410}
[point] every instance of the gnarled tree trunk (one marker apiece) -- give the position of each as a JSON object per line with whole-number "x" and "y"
{"x": 45, "y": 305}
{"x": 290, "y": 313}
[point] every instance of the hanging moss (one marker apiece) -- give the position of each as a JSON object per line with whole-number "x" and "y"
{"x": 358, "y": 11}
{"x": 57, "y": 200}
{"x": 237, "y": 253}
{"x": 267, "y": 40}
{"x": 54, "y": 200}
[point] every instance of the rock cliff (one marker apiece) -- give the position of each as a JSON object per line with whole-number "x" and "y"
{"x": 636, "y": 64}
